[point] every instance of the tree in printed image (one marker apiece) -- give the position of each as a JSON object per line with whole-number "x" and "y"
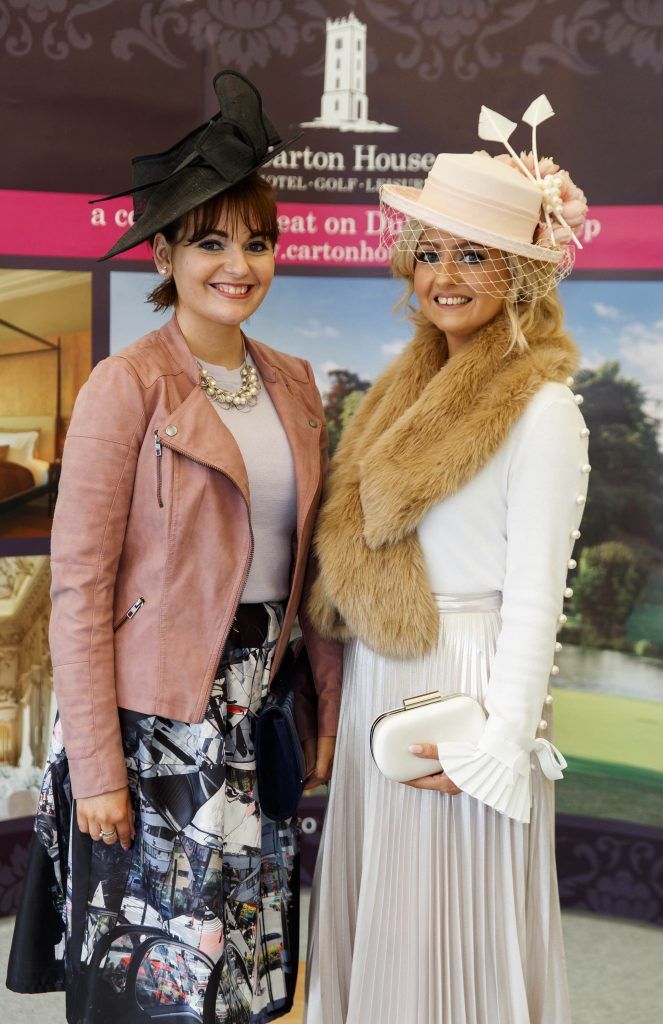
{"x": 341, "y": 401}
{"x": 626, "y": 499}
{"x": 620, "y": 571}
{"x": 610, "y": 579}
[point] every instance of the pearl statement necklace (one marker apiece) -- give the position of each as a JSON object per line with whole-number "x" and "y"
{"x": 245, "y": 396}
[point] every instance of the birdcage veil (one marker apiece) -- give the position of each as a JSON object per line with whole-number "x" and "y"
{"x": 486, "y": 267}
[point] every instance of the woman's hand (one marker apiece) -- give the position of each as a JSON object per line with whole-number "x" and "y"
{"x": 319, "y": 760}
{"x": 110, "y": 813}
{"x": 439, "y": 781}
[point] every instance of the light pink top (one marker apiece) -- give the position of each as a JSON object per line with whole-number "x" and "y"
{"x": 271, "y": 471}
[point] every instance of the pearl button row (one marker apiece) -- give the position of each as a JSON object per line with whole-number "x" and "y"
{"x": 585, "y": 469}
{"x": 543, "y": 724}
{"x": 578, "y": 399}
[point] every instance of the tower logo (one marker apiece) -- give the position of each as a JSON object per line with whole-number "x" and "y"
{"x": 345, "y": 102}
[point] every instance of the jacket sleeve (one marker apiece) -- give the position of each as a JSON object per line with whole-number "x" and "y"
{"x": 546, "y": 489}
{"x": 318, "y": 700}
{"x": 96, "y": 486}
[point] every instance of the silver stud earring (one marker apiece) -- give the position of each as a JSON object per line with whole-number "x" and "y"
{"x": 163, "y": 270}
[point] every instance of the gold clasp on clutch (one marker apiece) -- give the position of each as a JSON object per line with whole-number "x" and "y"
{"x": 434, "y": 697}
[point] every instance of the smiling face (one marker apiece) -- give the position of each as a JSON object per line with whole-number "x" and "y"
{"x": 224, "y": 276}
{"x": 218, "y": 262}
{"x": 460, "y": 285}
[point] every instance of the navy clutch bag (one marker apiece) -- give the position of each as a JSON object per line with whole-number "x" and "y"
{"x": 280, "y": 761}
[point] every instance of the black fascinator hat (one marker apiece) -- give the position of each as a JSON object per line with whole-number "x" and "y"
{"x": 209, "y": 160}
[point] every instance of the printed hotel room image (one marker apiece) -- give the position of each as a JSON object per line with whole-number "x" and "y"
{"x": 45, "y": 357}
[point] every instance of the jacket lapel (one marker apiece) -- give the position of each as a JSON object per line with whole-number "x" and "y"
{"x": 195, "y": 430}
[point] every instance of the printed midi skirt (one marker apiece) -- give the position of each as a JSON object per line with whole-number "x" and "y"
{"x": 429, "y": 908}
{"x": 198, "y": 921}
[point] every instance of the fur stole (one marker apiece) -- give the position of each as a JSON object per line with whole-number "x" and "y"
{"x": 424, "y": 429}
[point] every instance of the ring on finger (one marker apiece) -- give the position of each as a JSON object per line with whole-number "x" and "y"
{"x": 107, "y": 835}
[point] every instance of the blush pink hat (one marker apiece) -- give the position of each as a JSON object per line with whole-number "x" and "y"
{"x": 505, "y": 203}
{"x": 479, "y": 199}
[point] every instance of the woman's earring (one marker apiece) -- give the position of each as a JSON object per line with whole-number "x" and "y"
{"x": 163, "y": 270}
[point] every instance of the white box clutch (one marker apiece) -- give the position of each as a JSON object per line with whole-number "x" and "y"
{"x": 428, "y": 718}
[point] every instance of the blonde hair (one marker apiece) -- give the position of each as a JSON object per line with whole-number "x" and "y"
{"x": 539, "y": 315}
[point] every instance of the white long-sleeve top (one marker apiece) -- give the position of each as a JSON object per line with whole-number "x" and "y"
{"x": 512, "y": 529}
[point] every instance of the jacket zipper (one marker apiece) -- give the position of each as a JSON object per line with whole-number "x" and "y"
{"x": 158, "y": 450}
{"x": 247, "y": 568}
{"x": 136, "y": 607}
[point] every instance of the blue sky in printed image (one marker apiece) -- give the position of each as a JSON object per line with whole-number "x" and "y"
{"x": 622, "y": 321}
{"x": 335, "y": 322}
{"x": 347, "y": 322}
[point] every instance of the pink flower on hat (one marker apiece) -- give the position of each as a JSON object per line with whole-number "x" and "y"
{"x": 572, "y": 203}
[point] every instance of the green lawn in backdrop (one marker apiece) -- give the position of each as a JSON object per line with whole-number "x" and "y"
{"x": 614, "y": 746}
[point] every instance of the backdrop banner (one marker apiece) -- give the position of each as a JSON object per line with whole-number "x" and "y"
{"x": 377, "y": 90}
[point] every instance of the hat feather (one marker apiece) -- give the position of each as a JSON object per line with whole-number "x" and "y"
{"x": 538, "y": 111}
{"x": 494, "y": 127}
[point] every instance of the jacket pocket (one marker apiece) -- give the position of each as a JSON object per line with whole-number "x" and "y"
{"x": 158, "y": 451}
{"x": 129, "y": 614}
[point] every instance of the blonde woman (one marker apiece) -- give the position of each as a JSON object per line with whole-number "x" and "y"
{"x": 453, "y": 505}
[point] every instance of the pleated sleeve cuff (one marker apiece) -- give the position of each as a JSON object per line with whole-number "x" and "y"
{"x": 497, "y": 770}
{"x": 484, "y": 777}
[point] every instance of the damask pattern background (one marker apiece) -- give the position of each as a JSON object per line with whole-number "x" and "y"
{"x": 434, "y": 37}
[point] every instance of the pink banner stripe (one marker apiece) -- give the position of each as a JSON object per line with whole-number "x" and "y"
{"x": 61, "y": 224}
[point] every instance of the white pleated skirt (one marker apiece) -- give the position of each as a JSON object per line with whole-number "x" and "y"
{"x": 429, "y": 908}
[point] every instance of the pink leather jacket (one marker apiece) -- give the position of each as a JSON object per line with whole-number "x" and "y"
{"x": 152, "y": 543}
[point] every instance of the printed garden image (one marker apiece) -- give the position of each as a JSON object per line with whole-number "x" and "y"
{"x": 609, "y": 694}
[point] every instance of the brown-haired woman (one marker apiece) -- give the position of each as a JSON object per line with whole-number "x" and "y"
{"x": 191, "y": 476}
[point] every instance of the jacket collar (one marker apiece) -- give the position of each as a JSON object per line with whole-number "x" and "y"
{"x": 268, "y": 361}
{"x": 202, "y": 436}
